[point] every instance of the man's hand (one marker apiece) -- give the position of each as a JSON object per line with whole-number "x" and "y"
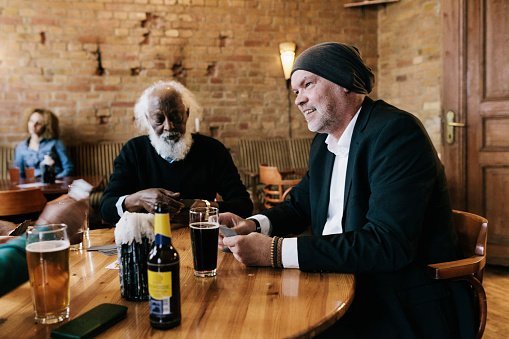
{"x": 201, "y": 203}
{"x": 251, "y": 250}
{"x": 147, "y": 199}
{"x": 240, "y": 225}
{"x": 65, "y": 210}
{"x": 6, "y": 238}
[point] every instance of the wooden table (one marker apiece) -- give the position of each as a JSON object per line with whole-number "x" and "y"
{"x": 241, "y": 302}
{"x": 61, "y": 186}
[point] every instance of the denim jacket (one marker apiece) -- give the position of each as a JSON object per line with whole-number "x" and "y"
{"x": 27, "y": 157}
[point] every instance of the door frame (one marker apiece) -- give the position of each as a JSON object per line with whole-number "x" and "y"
{"x": 454, "y": 77}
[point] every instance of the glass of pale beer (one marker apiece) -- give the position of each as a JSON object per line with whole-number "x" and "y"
{"x": 47, "y": 250}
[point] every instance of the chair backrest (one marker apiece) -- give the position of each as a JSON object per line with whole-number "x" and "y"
{"x": 472, "y": 232}
{"x": 269, "y": 175}
{"x": 275, "y": 188}
{"x": 21, "y": 201}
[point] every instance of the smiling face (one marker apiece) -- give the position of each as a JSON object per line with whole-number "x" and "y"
{"x": 36, "y": 124}
{"x": 167, "y": 114}
{"x": 326, "y": 106}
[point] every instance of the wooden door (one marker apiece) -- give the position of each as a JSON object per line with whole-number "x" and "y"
{"x": 476, "y": 89}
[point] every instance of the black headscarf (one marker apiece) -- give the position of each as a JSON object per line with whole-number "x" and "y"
{"x": 339, "y": 63}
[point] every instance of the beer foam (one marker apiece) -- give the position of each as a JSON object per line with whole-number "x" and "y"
{"x": 201, "y": 225}
{"x": 133, "y": 227}
{"x": 48, "y": 246}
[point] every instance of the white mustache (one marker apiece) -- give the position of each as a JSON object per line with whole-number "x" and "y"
{"x": 170, "y": 137}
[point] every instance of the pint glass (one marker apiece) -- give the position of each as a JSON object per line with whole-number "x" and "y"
{"x": 13, "y": 172}
{"x": 204, "y": 228}
{"x": 47, "y": 251}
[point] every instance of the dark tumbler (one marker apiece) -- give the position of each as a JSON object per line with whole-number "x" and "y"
{"x": 133, "y": 270}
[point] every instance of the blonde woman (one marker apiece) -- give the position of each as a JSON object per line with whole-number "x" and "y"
{"x": 43, "y": 141}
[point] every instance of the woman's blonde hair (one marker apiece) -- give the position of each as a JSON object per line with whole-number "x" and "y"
{"x": 51, "y": 130}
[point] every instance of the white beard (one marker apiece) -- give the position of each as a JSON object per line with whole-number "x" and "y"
{"x": 167, "y": 148}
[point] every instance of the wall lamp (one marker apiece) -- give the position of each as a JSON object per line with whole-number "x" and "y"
{"x": 287, "y": 50}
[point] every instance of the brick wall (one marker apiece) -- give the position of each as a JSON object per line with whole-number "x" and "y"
{"x": 410, "y": 63}
{"x": 89, "y": 60}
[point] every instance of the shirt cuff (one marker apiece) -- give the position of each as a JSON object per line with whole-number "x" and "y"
{"x": 118, "y": 205}
{"x": 264, "y": 223}
{"x": 289, "y": 253}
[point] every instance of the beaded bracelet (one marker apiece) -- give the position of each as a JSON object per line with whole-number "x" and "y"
{"x": 279, "y": 257}
{"x": 273, "y": 252}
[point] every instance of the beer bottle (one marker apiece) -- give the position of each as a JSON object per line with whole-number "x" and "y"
{"x": 163, "y": 275}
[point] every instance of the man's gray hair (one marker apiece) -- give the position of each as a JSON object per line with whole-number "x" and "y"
{"x": 141, "y": 107}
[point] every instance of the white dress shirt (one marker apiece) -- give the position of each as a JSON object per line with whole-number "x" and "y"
{"x": 340, "y": 148}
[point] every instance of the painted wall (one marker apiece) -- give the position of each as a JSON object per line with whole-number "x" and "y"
{"x": 89, "y": 60}
{"x": 410, "y": 61}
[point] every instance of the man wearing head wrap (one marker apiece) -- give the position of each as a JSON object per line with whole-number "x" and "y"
{"x": 376, "y": 199}
{"x": 171, "y": 166}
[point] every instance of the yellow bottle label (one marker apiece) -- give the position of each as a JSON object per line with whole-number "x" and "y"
{"x": 162, "y": 224}
{"x": 159, "y": 285}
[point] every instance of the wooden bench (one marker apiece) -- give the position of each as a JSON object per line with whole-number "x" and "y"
{"x": 299, "y": 152}
{"x": 288, "y": 155}
{"x": 6, "y": 155}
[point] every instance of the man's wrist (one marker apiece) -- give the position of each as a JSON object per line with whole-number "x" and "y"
{"x": 120, "y": 205}
{"x": 258, "y": 228}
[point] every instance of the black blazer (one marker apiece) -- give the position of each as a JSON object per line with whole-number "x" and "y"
{"x": 396, "y": 219}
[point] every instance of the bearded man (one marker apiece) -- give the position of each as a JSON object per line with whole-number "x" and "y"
{"x": 376, "y": 198}
{"x": 170, "y": 165}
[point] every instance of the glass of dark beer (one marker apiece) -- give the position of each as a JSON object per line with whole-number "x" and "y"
{"x": 204, "y": 228}
{"x": 47, "y": 251}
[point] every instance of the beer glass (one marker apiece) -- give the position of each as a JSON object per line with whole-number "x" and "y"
{"x": 13, "y": 172}
{"x": 47, "y": 251}
{"x": 29, "y": 174}
{"x": 204, "y": 228}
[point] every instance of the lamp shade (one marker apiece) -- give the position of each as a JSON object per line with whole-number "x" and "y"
{"x": 287, "y": 50}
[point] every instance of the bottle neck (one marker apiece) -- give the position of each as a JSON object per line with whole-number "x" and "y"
{"x": 162, "y": 228}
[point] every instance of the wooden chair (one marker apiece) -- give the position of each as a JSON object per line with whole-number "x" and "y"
{"x": 285, "y": 153}
{"x": 472, "y": 231}
{"x": 275, "y": 188}
{"x": 21, "y": 202}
